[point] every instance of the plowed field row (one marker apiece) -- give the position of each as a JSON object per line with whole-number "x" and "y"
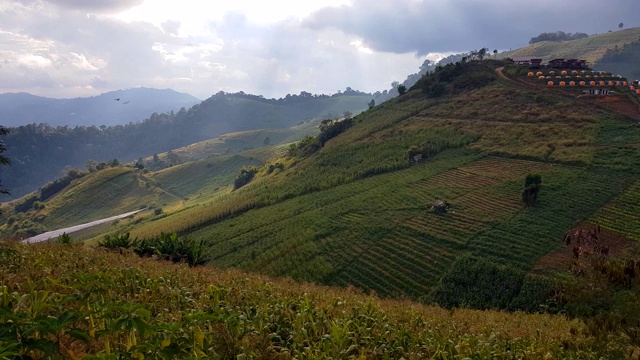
{"x": 457, "y": 177}
{"x": 500, "y": 168}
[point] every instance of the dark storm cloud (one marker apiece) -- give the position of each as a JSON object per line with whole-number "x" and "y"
{"x": 458, "y": 25}
{"x": 96, "y": 6}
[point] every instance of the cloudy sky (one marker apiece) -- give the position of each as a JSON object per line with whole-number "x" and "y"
{"x": 69, "y": 48}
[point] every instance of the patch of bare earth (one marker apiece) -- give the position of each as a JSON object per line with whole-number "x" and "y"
{"x": 585, "y": 238}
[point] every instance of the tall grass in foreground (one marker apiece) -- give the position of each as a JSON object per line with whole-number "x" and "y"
{"x": 66, "y": 301}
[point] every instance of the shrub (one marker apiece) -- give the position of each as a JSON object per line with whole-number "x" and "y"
{"x": 245, "y": 176}
{"x": 65, "y": 239}
{"x": 332, "y": 128}
{"x": 174, "y": 248}
{"x": 116, "y": 242}
{"x": 304, "y": 147}
{"x": 26, "y": 204}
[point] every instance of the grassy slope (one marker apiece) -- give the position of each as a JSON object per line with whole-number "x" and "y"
{"x": 102, "y": 194}
{"x": 113, "y": 300}
{"x": 207, "y": 175}
{"x": 357, "y": 213}
{"x": 243, "y": 140}
{"x": 590, "y": 49}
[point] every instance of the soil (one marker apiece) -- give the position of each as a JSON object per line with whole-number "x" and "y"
{"x": 562, "y": 259}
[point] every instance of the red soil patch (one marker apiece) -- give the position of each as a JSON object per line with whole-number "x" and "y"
{"x": 615, "y": 244}
{"x": 621, "y": 105}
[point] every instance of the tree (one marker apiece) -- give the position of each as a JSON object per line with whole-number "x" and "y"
{"x": 482, "y": 53}
{"x": 402, "y": 89}
{"x": 495, "y": 53}
{"x": 3, "y": 159}
{"x": 140, "y": 164}
{"x": 91, "y": 165}
{"x": 266, "y": 141}
{"x": 621, "y": 25}
{"x": 372, "y": 103}
{"x": 532, "y": 185}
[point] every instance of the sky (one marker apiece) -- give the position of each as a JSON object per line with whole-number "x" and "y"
{"x": 78, "y": 48}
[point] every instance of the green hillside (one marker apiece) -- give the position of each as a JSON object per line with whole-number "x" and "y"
{"x": 350, "y": 208}
{"x": 590, "y": 49}
{"x": 357, "y": 212}
{"x": 421, "y": 198}
{"x": 204, "y": 174}
{"x": 40, "y": 152}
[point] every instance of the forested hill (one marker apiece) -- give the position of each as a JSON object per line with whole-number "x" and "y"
{"x": 40, "y": 152}
{"x": 622, "y": 60}
{"x": 112, "y": 108}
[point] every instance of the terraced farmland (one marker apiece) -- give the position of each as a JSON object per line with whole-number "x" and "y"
{"x": 621, "y": 214}
{"x": 379, "y": 233}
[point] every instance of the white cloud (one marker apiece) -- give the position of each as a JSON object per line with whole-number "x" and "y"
{"x": 34, "y": 61}
{"x": 67, "y": 48}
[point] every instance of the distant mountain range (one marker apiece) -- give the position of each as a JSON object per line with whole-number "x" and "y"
{"x": 112, "y": 108}
{"x": 39, "y": 151}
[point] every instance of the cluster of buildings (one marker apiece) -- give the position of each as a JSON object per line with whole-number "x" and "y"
{"x": 536, "y": 63}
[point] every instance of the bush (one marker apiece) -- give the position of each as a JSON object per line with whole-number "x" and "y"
{"x": 332, "y": 128}
{"x": 117, "y": 242}
{"x": 174, "y": 248}
{"x": 245, "y": 176}
{"x": 304, "y": 147}
{"x": 26, "y": 204}
{"x": 65, "y": 239}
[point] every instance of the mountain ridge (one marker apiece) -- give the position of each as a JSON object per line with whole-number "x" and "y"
{"x": 134, "y": 105}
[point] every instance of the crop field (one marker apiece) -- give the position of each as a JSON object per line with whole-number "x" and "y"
{"x": 243, "y": 140}
{"x": 568, "y": 197}
{"x": 114, "y": 305}
{"x": 382, "y": 228}
{"x": 203, "y": 177}
{"x": 102, "y": 194}
{"x": 621, "y": 214}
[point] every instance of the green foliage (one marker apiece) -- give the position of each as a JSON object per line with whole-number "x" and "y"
{"x": 557, "y": 36}
{"x": 402, "y": 89}
{"x": 479, "y": 284}
{"x": 38, "y": 205}
{"x": 123, "y": 241}
{"x": 245, "y": 176}
{"x": 103, "y": 305}
{"x": 304, "y": 147}
{"x": 332, "y": 128}
{"x": 621, "y": 60}
{"x": 65, "y": 239}
{"x": 174, "y": 248}
{"x": 34, "y": 143}
{"x": 454, "y": 78}
{"x": 3, "y": 159}
{"x": 26, "y": 204}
